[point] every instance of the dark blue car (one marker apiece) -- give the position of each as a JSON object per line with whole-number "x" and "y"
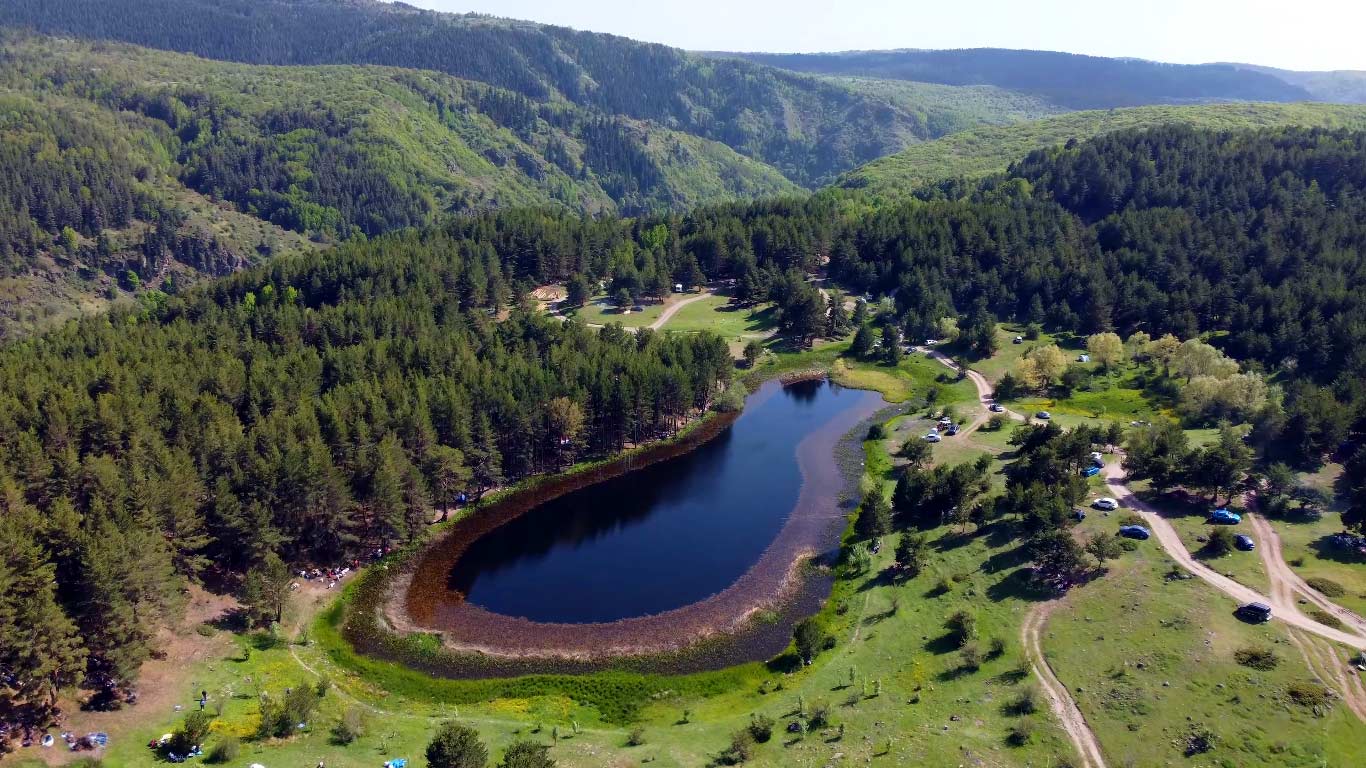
{"x": 1244, "y": 542}
{"x": 1134, "y": 532}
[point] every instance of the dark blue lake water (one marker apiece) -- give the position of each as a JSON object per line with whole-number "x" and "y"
{"x": 660, "y": 537}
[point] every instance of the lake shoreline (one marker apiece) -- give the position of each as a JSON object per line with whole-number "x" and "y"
{"x": 749, "y": 621}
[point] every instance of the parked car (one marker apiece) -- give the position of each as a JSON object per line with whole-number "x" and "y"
{"x": 996, "y": 408}
{"x": 1045, "y": 415}
{"x": 1106, "y": 503}
{"x": 952, "y": 430}
{"x": 1254, "y": 612}
{"x": 1097, "y": 459}
{"x": 1017, "y": 340}
{"x": 933, "y": 437}
{"x": 1244, "y": 542}
{"x": 1134, "y": 532}
{"x": 1090, "y": 471}
{"x": 1348, "y": 541}
{"x": 1222, "y": 516}
{"x": 1078, "y": 514}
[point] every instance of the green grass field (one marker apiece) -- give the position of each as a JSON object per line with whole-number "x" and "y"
{"x": 718, "y": 315}
{"x": 1303, "y": 542}
{"x": 600, "y": 311}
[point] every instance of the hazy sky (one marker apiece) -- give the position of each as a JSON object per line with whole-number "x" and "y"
{"x": 1304, "y": 34}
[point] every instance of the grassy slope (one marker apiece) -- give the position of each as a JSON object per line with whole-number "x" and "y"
{"x": 1184, "y": 635}
{"x": 985, "y": 150}
{"x": 1302, "y": 543}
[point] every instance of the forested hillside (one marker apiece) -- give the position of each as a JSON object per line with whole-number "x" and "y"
{"x": 113, "y": 153}
{"x": 311, "y": 411}
{"x": 1067, "y": 80}
{"x": 809, "y": 129}
{"x": 320, "y": 406}
{"x": 991, "y": 149}
{"x": 89, "y": 212}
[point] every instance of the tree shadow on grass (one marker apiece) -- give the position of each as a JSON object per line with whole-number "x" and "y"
{"x": 1004, "y": 561}
{"x": 945, "y": 643}
{"x": 1019, "y": 585}
{"x": 1324, "y": 549}
{"x": 1012, "y": 676}
{"x": 955, "y": 672}
{"x": 883, "y": 578}
{"x": 953, "y": 540}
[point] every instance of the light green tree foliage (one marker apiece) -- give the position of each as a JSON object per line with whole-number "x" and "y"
{"x": 1236, "y": 398}
{"x": 1106, "y": 349}
{"x": 1196, "y": 358}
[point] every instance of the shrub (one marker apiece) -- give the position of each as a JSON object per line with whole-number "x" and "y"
{"x": 760, "y": 728}
{"x": 970, "y": 656}
{"x": 943, "y": 586}
{"x": 526, "y": 754}
{"x": 811, "y": 638}
{"x": 820, "y": 715}
{"x": 225, "y": 751}
{"x": 996, "y": 423}
{"x": 1257, "y": 657}
{"x": 1027, "y": 703}
{"x": 280, "y": 718}
{"x": 962, "y": 625}
{"x": 636, "y": 737}
{"x": 741, "y": 749}
{"x": 876, "y": 432}
{"x": 1020, "y": 733}
{"x": 1326, "y": 619}
{"x": 348, "y": 727}
{"x": 191, "y": 732}
{"x": 1199, "y": 740}
{"x": 1220, "y": 543}
{"x": 1326, "y": 587}
{"x": 1310, "y": 695}
{"x": 456, "y": 746}
{"x": 1132, "y": 519}
{"x": 997, "y": 649}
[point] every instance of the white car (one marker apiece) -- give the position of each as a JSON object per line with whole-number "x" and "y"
{"x": 933, "y": 437}
{"x": 996, "y": 408}
{"x": 1106, "y": 503}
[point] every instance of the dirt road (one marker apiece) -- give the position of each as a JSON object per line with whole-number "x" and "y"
{"x": 1059, "y": 698}
{"x": 985, "y": 394}
{"x": 672, "y": 309}
{"x": 1286, "y": 584}
{"x": 1169, "y": 539}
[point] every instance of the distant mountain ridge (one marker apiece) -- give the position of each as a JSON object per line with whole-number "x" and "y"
{"x": 1073, "y": 81}
{"x": 808, "y": 128}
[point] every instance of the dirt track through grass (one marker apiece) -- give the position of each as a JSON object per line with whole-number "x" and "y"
{"x": 1059, "y": 699}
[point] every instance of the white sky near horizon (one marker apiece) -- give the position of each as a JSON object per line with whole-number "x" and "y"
{"x": 1304, "y": 35}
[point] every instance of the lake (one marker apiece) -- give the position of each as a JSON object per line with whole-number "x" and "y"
{"x": 666, "y": 535}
